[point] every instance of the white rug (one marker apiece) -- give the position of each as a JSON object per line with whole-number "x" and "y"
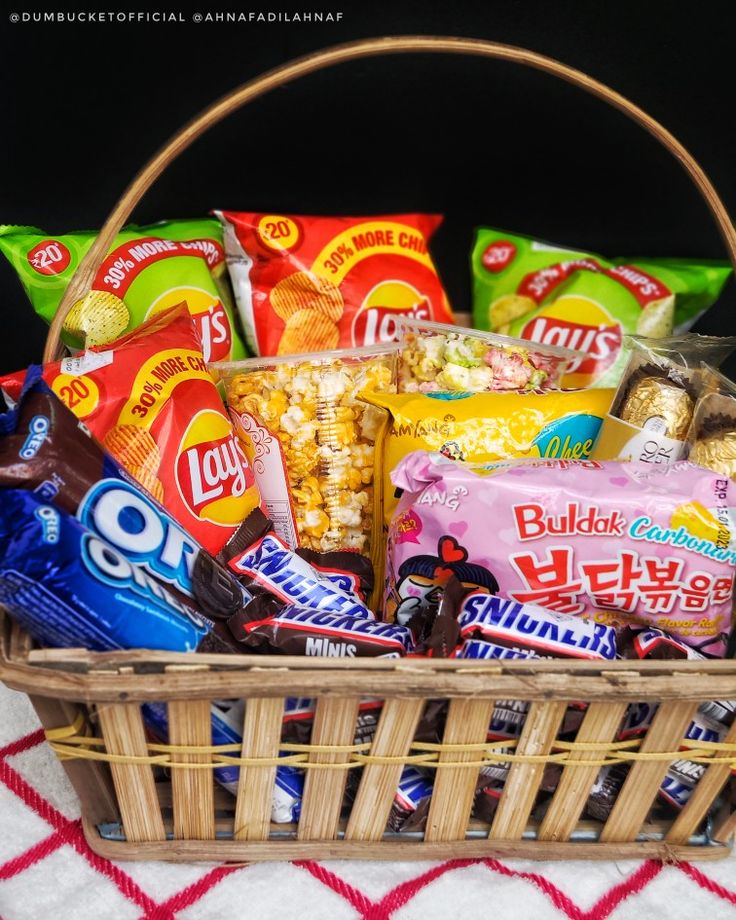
{"x": 47, "y": 870}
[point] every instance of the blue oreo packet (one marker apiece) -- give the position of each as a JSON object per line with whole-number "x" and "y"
{"x": 68, "y": 587}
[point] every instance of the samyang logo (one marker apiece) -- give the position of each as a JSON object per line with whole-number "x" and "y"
{"x": 212, "y": 473}
{"x": 377, "y": 320}
{"x": 582, "y": 325}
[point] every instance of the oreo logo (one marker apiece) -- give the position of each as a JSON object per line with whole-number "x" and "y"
{"x": 112, "y": 568}
{"x": 124, "y": 518}
{"x": 37, "y": 431}
{"x": 50, "y": 523}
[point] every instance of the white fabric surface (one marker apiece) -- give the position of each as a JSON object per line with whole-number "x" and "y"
{"x": 46, "y": 871}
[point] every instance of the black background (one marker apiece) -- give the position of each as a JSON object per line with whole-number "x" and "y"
{"x": 84, "y": 105}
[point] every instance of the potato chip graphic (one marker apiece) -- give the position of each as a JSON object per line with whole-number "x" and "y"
{"x": 503, "y": 311}
{"x": 97, "y": 318}
{"x": 306, "y": 291}
{"x": 657, "y": 318}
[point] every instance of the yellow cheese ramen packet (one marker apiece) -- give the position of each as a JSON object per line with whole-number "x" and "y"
{"x": 484, "y": 427}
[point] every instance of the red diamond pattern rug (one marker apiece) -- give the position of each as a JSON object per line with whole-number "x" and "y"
{"x": 47, "y": 870}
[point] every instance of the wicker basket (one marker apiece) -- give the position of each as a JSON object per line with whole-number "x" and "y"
{"x": 144, "y": 801}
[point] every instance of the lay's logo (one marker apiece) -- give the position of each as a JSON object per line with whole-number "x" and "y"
{"x": 377, "y": 320}
{"x": 212, "y": 472}
{"x": 582, "y": 325}
{"x": 210, "y": 319}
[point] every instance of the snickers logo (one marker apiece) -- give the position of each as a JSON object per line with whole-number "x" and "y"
{"x": 270, "y": 562}
{"x": 507, "y": 622}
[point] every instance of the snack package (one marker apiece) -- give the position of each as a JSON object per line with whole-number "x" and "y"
{"x": 481, "y": 650}
{"x": 153, "y": 404}
{"x": 484, "y": 427}
{"x": 462, "y": 617}
{"x": 524, "y": 627}
{"x": 304, "y": 631}
{"x": 712, "y": 435}
{"x": 437, "y": 358}
{"x": 710, "y": 724}
{"x": 621, "y": 543}
{"x": 311, "y": 442}
{"x": 267, "y": 565}
{"x": 655, "y": 644}
{"x": 147, "y": 271}
{"x": 288, "y": 792}
{"x": 605, "y": 790}
{"x": 46, "y": 450}
{"x": 227, "y": 728}
{"x": 68, "y": 587}
{"x": 411, "y": 802}
{"x": 653, "y": 407}
{"x": 306, "y": 284}
{"x": 555, "y": 296}
{"x": 492, "y": 779}
{"x": 299, "y": 715}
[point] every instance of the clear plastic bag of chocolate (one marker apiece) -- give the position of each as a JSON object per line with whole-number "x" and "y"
{"x": 711, "y": 440}
{"x": 654, "y": 405}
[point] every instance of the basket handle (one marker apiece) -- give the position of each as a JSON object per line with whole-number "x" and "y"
{"x": 82, "y": 280}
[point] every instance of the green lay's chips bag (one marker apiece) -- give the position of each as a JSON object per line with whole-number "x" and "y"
{"x": 534, "y": 290}
{"x": 148, "y": 270}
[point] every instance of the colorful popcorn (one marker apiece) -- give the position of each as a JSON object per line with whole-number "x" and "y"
{"x": 437, "y": 358}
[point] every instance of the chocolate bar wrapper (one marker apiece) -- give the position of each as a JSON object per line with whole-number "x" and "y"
{"x": 299, "y": 716}
{"x": 349, "y": 570}
{"x": 655, "y": 644}
{"x": 480, "y": 650}
{"x": 411, "y": 802}
{"x": 489, "y": 789}
{"x": 297, "y": 729}
{"x": 605, "y": 790}
{"x": 501, "y": 628}
{"x": 263, "y": 562}
{"x": 299, "y": 631}
{"x": 227, "y": 728}
{"x": 46, "y": 450}
{"x": 526, "y": 626}
{"x": 710, "y": 723}
{"x": 487, "y": 795}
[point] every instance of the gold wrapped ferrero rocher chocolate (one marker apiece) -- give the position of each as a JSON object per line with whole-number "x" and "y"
{"x": 659, "y": 405}
{"x": 716, "y": 452}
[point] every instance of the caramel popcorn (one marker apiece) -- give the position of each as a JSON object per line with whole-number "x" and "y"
{"x": 326, "y": 436}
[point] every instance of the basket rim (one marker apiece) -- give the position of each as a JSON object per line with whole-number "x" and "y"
{"x": 140, "y": 675}
{"x": 98, "y": 681}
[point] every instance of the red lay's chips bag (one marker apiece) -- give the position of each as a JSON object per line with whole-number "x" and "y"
{"x": 305, "y": 284}
{"x": 151, "y": 401}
